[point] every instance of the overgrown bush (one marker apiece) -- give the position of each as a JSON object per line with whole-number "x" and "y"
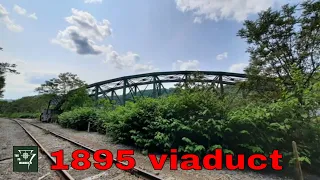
{"x": 78, "y": 118}
{"x": 104, "y": 108}
{"x": 199, "y": 122}
{"x": 190, "y": 122}
{"x": 262, "y": 129}
{"x": 202, "y": 121}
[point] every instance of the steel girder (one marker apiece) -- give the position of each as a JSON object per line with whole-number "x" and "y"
{"x": 129, "y": 85}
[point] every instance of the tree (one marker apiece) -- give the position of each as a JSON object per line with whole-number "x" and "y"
{"x": 4, "y": 68}
{"x": 61, "y": 85}
{"x": 28, "y": 104}
{"x": 285, "y": 44}
{"x": 7, "y": 67}
{"x": 77, "y": 98}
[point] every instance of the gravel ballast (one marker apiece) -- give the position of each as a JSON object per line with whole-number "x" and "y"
{"x": 53, "y": 144}
{"x": 11, "y": 134}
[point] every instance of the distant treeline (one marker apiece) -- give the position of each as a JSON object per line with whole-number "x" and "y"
{"x": 25, "y": 107}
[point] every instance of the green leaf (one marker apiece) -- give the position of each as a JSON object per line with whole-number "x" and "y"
{"x": 187, "y": 140}
{"x": 304, "y": 159}
{"x": 199, "y": 148}
{"x": 244, "y": 132}
{"x": 214, "y": 147}
{"x": 228, "y": 130}
{"x": 227, "y": 151}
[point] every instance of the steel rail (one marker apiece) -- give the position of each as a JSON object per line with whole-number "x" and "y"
{"x": 135, "y": 170}
{"x": 62, "y": 173}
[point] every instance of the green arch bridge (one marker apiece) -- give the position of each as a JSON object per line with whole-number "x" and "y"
{"x": 130, "y": 86}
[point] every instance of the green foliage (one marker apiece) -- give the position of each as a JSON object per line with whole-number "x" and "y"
{"x": 84, "y": 112}
{"x": 31, "y": 104}
{"x": 61, "y": 85}
{"x": 104, "y": 107}
{"x": 190, "y": 122}
{"x": 283, "y": 43}
{"x": 284, "y": 69}
{"x": 77, "y": 98}
{"x": 5, "y": 68}
{"x": 78, "y": 118}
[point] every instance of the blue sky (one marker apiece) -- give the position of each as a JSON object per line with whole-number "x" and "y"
{"x": 103, "y": 39}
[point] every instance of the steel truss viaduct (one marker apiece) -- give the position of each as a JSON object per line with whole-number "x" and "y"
{"x": 129, "y": 85}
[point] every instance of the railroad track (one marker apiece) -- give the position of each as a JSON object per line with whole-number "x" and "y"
{"x": 39, "y": 135}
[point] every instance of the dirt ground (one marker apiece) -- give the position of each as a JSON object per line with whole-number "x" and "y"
{"x": 11, "y": 134}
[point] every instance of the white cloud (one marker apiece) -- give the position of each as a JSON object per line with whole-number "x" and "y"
{"x": 186, "y": 65}
{"x": 83, "y": 34}
{"x": 216, "y": 10}
{"x": 33, "y": 16}
{"x": 122, "y": 61}
{"x": 197, "y": 20}
{"x": 20, "y": 10}
{"x": 88, "y": 25}
{"x": 222, "y": 56}
{"x": 128, "y": 60}
{"x": 9, "y": 23}
{"x": 93, "y": 1}
{"x": 238, "y": 68}
{"x": 144, "y": 68}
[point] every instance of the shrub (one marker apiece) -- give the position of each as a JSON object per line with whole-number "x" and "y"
{"x": 79, "y": 118}
{"x": 262, "y": 129}
{"x": 117, "y": 122}
{"x": 201, "y": 121}
{"x": 180, "y": 121}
